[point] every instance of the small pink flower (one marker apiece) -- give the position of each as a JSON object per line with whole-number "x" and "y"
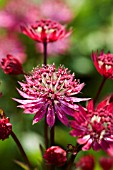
{"x": 55, "y": 156}
{"x": 94, "y": 127}
{"x": 5, "y": 126}
{"x": 45, "y": 31}
{"x": 56, "y": 10}
{"x": 103, "y": 63}
{"x": 106, "y": 163}
{"x": 11, "y": 65}
{"x": 86, "y": 163}
{"x": 50, "y": 91}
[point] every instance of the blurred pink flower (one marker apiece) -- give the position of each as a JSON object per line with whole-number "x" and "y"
{"x": 55, "y": 156}
{"x": 86, "y": 163}
{"x": 50, "y": 91}
{"x": 55, "y": 48}
{"x": 106, "y": 163}
{"x": 11, "y": 45}
{"x": 11, "y": 65}
{"x": 103, "y": 63}
{"x": 15, "y": 14}
{"x": 56, "y": 10}
{"x": 94, "y": 127}
{"x": 45, "y": 31}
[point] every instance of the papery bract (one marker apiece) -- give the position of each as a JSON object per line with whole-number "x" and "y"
{"x": 11, "y": 65}
{"x": 55, "y": 156}
{"x": 94, "y": 127}
{"x": 45, "y": 31}
{"x": 103, "y": 63}
{"x": 50, "y": 91}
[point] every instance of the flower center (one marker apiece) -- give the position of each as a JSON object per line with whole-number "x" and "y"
{"x": 106, "y": 59}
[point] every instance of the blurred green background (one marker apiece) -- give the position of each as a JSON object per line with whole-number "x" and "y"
{"x": 92, "y": 29}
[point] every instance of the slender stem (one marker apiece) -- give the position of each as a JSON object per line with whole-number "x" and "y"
{"x": 45, "y": 52}
{"x": 21, "y": 149}
{"x": 52, "y": 136}
{"x": 99, "y": 90}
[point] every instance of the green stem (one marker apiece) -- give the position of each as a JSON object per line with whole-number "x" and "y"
{"x": 46, "y": 133}
{"x": 100, "y": 89}
{"x": 21, "y": 149}
{"x": 52, "y": 136}
{"x": 45, "y": 52}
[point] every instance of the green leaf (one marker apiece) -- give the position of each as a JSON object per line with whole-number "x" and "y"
{"x": 23, "y": 165}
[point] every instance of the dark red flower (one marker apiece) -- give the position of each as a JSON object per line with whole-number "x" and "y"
{"x": 106, "y": 163}
{"x": 11, "y": 65}
{"x": 86, "y": 163}
{"x": 103, "y": 63}
{"x": 94, "y": 127}
{"x": 5, "y": 126}
{"x": 55, "y": 156}
{"x": 45, "y": 31}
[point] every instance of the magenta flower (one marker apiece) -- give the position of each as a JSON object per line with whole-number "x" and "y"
{"x": 103, "y": 63}
{"x": 86, "y": 163}
{"x": 56, "y": 10}
{"x": 5, "y": 126}
{"x": 94, "y": 127}
{"x": 15, "y": 14}
{"x": 48, "y": 91}
{"x": 45, "y": 31}
{"x": 11, "y": 65}
{"x": 55, "y": 156}
{"x": 106, "y": 163}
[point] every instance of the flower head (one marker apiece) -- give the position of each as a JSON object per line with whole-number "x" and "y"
{"x": 103, "y": 63}
{"x": 86, "y": 163}
{"x": 11, "y": 65}
{"x": 50, "y": 91}
{"x": 55, "y": 156}
{"x": 5, "y": 126}
{"x": 94, "y": 127}
{"x": 106, "y": 163}
{"x": 45, "y": 31}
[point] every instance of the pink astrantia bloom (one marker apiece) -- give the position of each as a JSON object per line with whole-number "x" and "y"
{"x": 103, "y": 63}
{"x": 86, "y": 163}
{"x": 45, "y": 31}
{"x": 11, "y": 65}
{"x": 56, "y": 10}
{"x": 15, "y": 14}
{"x": 5, "y": 126}
{"x": 50, "y": 91}
{"x": 12, "y": 45}
{"x": 55, "y": 156}
{"x": 106, "y": 163}
{"x": 94, "y": 127}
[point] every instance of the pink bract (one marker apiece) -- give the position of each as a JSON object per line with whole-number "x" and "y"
{"x": 103, "y": 63}
{"x": 11, "y": 65}
{"x": 94, "y": 127}
{"x": 55, "y": 156}
{"x": 45, "y": 31}
{"x": 48, "y": 92}
{"x": 106, "y": 163}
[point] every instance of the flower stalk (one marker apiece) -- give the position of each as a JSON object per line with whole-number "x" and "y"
{"x": 21, "y": 150}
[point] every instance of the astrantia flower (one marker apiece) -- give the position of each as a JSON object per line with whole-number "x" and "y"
{"x": 55, "y": 156}
{"x": 86, "y": 163}
{"x": 11, "y": 65}
{"x": 45, "y": 31}
{"x": 106, "y": 163}
{"x": 103, "y": 63}
{"x": 48, "y": 91}
{"x": 5, "y": 126}
{"x": 94, "y": 127}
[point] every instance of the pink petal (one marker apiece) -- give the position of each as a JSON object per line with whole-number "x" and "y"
{"x": 83, "y": 140}
{"x": 50, "y": 116}
{"x": 87, "y": 146}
